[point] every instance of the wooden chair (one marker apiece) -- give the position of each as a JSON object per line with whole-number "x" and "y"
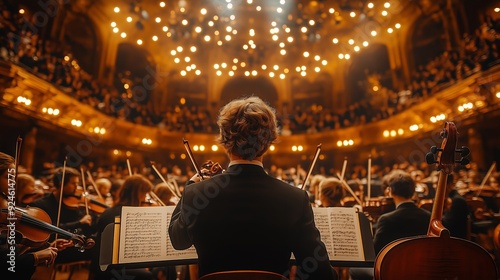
{"x": 243, "y": 275}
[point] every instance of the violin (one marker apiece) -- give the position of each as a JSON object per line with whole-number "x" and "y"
{"x": 77, "y": 200}
{"x": 210, "y": 168}
{"x": 34, "y": 227}
{"x": 30, "y": 197}
{"x": 437, "y": 255}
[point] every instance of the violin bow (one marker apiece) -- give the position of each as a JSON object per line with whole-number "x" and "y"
{"x": 369, "y": 177}
{"x": 93, "y": 184}
{"x": 316, "y": 155}
{"x": 484, "y": 179}
{"x": 348, "y": 188}
{"x": 16, "y": 159}
{"x": 190, "y": 154}
{"x": 61, "y": 193}
{"x": 344, "y": 166}
{"x": 129, "y": 167}
{"x": 85, "y": 192}
{"x": 164, "y": 181}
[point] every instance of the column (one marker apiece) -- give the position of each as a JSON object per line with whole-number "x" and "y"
{"x": 28, "y": 150}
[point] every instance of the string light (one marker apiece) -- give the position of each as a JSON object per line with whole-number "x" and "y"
{"x": 217, "y": 28}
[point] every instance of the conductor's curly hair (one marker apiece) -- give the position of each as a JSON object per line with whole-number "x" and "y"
{"x": 247, "y": 127}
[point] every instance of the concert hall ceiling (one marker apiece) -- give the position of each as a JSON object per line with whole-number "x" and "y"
{"x": 253, "y": 37}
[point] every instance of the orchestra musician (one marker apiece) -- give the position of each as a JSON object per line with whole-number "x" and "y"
{"x": 314, "y": 193}
{"x": 164, "y": 193}
{"x": 332, "y": 192}
{"x": 25, "y": 262}
{"x": 133, "y": 192}
{"x": 72, "y": 216}
{"x": 244, "y": 219}
{"x": 27, "y": 191}
{"x": 103, "y": 186}
{"x": 405, "y": 221}
{"x": 456, "y": 212}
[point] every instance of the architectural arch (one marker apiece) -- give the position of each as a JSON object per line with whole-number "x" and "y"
{"x": 368, "y": 68}
{"x": 80, "y": 34}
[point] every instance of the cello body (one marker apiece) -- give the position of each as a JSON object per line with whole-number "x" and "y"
{"x": 434, "y": 258}
{"x": 437, "y": 256}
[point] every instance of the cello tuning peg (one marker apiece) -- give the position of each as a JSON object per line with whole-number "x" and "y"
{"x": 435, "y": 149}
{"x": 429, "y": 158}
{"x": 463, "y": 161}
{"x": 464, "y": 151}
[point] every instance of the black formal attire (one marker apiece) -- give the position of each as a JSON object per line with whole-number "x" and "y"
{"x": 106, "y": 218}
{"x": 24, "y": 264}
{"x": 69, "y": 220}
{"x": 455, "y": 219}
{"x": 405, "y": 221}
{"x": 246, "y": 219}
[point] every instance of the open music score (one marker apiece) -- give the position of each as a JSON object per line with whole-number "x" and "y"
{"x": 144, "y": 242}
{"x": 340, "y": 231}
{"x": 144, "y": 236}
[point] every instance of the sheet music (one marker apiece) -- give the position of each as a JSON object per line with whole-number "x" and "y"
{"x": 144, "y": 236}
{"x": 340, "y": 231}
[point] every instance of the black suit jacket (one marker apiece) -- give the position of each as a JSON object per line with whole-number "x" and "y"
{"x": 245, "y": 219}
{"x": 455, "y": 219}
{"x": 407, "y": 220}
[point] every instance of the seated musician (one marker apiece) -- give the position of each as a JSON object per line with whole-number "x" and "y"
{"x": 132, "y": 193}
{"x": 27, "y": 191}
{"x": 103, "y": 186}
{"x": 24, "y": 263}
{"x": 332, "y": 192}
{"x": 72, "y": 216}
{"x": 164, "y": 193}
{"x": 456, "y": 212}
{"x": 244, "y": 219}
{"x": 405, "y": 221}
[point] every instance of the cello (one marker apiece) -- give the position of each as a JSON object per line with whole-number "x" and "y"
{"x": 437, "y": 255}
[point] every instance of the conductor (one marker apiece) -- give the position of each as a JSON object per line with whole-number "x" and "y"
{"x": 244, "y": 219}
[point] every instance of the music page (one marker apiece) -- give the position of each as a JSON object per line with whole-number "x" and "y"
{"x": 340, "y": 231}
{"x": 144, "y": 236}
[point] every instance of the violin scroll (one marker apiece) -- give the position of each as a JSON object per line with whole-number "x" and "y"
{"x": 211, "y": 168}
{"x": 82, "y": 243}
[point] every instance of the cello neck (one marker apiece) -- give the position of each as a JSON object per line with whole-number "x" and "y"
{"x": 436, "y": 227}
{"x": 446, "y": 163}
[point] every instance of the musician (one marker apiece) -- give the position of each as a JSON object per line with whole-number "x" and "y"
{"x": 132, "y": 193}
{"x": 164, "y": 193}
{"x": 332, "y": 192}
{"x": 103, "y": 186}
{"x": 71, "y": 217}
{"x": 27, "y": 191}
{"x": 25, "y": 262}
{"x": 314, "y": 192}
{"x": 244, "y": 218}
{"x": 456, "y": 212}
{"x": 405, "y": 221}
